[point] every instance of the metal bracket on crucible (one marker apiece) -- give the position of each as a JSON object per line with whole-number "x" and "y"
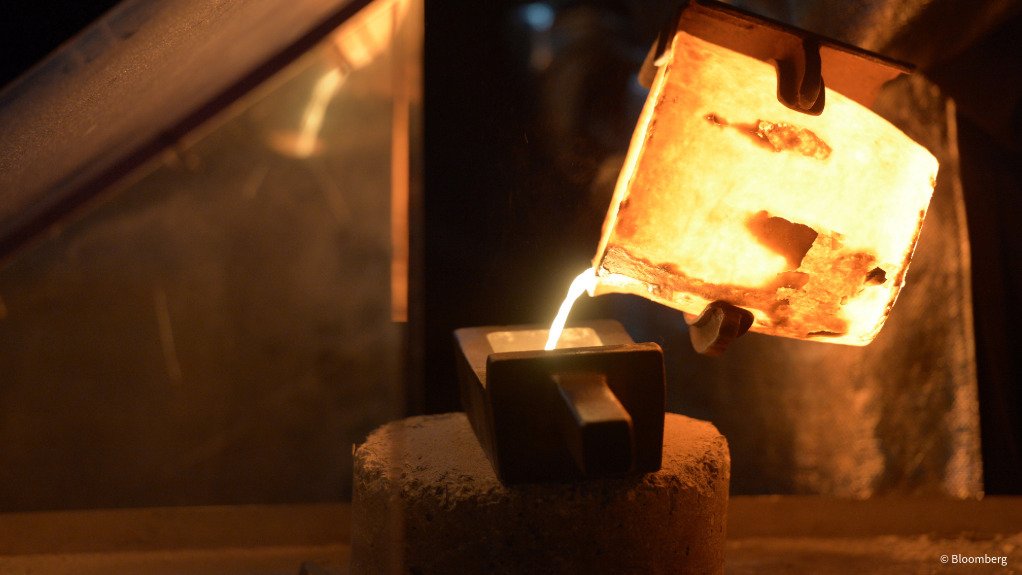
{"x": 802, "y": 58}
{"x": 592, "y": 410}
{"x": 720, "y": 323}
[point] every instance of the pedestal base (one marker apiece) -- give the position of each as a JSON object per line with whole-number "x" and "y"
{"x": 426, "y": 501}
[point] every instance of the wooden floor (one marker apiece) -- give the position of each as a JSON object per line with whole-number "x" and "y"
{"x": 784, "y": 535}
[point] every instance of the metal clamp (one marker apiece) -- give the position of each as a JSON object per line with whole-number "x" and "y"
{"x": 717, "y": 326}
{"x": 802, "y": 58}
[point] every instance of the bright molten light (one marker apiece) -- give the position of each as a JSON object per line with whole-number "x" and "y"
{"x": 585, "y": 282}
{"x": 315, "y": 111}
{"x": 809, "y": 222}
{"x": 306, "y": 142}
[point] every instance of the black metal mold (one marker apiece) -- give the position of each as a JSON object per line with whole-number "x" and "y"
{"x": 566, "y": 414}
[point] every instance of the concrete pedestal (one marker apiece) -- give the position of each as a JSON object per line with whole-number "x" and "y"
{"x": 427, "y": 501}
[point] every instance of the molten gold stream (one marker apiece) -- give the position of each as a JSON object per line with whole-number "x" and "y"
{"x": 585, "y": 282}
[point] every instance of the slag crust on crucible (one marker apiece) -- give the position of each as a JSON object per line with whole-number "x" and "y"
{"x": 807, "y": 221}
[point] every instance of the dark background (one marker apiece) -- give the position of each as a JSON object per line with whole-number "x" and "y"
{"x": 506, "y": 214}
{"x": 31, "y": 30}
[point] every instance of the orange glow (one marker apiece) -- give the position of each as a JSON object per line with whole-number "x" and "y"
{"x": 583, "y": 283}
{"x": 534, "y": 339}
{"x": 809, "y": 222}
{"x": 305, "y": 142}
{"x": 370, "y": 33}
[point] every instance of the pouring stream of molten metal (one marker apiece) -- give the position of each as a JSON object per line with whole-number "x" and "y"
{"x": 585, "y": 282}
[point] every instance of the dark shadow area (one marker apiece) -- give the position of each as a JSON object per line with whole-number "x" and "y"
{"x": 985, "y": 79}
{"x": 31, "y": 30}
